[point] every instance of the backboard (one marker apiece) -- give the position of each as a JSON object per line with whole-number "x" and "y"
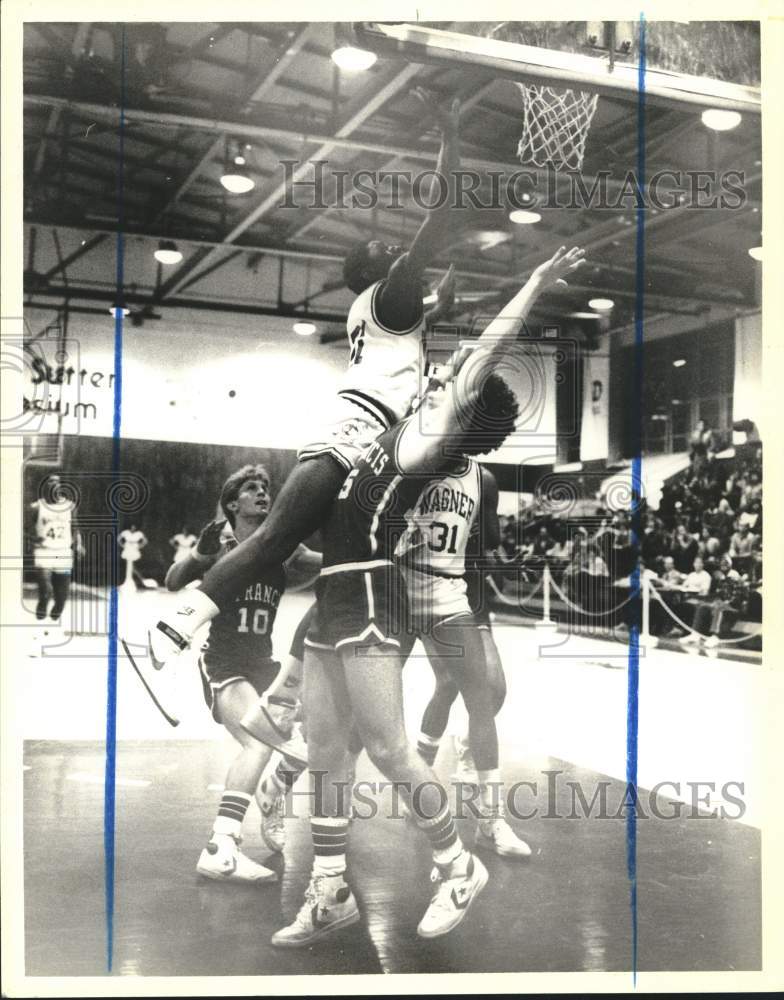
{"x": 713, "y": 64}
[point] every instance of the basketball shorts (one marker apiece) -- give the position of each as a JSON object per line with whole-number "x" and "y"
{"x": 362, "y": 607}
{"x": 432, "y": 598}
{"x": 53, "y": 560}
{"x": 218, "y": 672}
{"x": 345, "y": 435}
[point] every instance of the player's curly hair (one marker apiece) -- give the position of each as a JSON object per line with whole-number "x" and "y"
{"x": 235, "y": 482}
{"x": 355, "y": 268}
{"x": 493, "y": 417}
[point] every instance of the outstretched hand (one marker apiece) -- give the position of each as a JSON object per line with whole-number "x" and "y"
{"x": 209, "y": 539}
{"x": 563, "y": 262}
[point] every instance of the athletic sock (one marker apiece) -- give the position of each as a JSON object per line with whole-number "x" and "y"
{"x": 490, "y": 792}
{"x": 442, "y": 834}
{"x": 194, "y": 610}
{"x": 427, "y": 748}
{"x": 231, "y": 813}
{"x": 329, "y": 835}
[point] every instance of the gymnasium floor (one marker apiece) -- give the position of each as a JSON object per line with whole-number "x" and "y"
{"x": 565, "y": 909}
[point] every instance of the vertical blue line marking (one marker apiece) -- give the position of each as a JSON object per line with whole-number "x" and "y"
{"x": 109, "y": 800}
{"x": 632, "y": 696}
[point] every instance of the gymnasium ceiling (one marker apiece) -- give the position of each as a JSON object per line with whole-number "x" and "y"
{"x": 189, "y": 89}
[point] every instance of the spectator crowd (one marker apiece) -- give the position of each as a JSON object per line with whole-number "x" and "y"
{"x": 701, "y": 550}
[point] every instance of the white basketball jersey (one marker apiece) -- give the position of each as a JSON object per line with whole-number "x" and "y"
{"x": 384, "y": 366}
{"x": 53, "y": 526}
{"x": 440, "y": 523}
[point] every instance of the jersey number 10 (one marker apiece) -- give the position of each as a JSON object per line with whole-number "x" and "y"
{"x": 357, "y": 340}
{"x": 259, "y": 623}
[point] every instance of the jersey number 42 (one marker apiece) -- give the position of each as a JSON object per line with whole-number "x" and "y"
{"x": 357, "y": 340}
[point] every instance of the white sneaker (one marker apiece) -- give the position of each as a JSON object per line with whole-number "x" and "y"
{"x": 495, "y": 834}
{"x": 165, "y": 644}
{"x": 161, "y": 685}
{"x": 712, "y": 641}
{"x": 272, "y": 803}
{"x": 690, "y": 639}
{"x": 273, "y": 725}
{"x": 465, "y": 772}
{"x": 453, "y": 896}
{"x": 222, "y": 859}
{"x": 329, "y": 905}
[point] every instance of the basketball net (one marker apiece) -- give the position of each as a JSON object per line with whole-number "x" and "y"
{"x": 555, "y": 126}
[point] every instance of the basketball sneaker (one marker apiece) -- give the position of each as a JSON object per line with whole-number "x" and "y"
{"x": 272, "y": 803}
{"x": 161, "y": 685}
{"x": 465, "y": 772}
{"x": 329, "y": 905}
{"x": 457, "y": 886}
{"x": 222, "y": 859}
{"x": 494, "y": 833}
{"x": 271, "y": 721}
{"x": 165, "y": 644}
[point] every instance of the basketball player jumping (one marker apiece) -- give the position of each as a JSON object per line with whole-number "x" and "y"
{"x": 353, "y": 656}
{"x": 385, "y": 328}
{"x": 237, "y": 667}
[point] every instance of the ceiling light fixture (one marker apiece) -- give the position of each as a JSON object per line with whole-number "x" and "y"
{"x": 167, "y": 252}
{"x": 601, "y": 305}
{"x": 353, "y": 59}
{"x": 523, "y": 217}
{"x": 236, "y": 178}
{"x": 755, "y": 252}
{"x": 679, "y": 363}
{"x": 304, "y": 329}
{"x": 721, "y": 121}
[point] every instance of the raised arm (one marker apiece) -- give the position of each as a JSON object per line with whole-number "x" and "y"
{"x": 399, "y": 301}
{"x": 421, "y": 444}
{"x": 199, "y": 559}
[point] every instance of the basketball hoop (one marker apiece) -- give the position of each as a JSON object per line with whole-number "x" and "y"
{"x": 555, "y": 126}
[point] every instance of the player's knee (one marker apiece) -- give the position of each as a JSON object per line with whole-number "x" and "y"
{"x": 387, "y": 755}
{"x": 446, "y": 691}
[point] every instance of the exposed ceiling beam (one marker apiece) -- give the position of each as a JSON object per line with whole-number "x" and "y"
{"x": 362, "y": 108}
{"x": 479, "y": 90}
{"x": 89, "y": 245}
{"x": 258, "y": 92}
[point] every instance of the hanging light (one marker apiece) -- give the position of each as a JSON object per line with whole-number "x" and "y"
{"x": 304, "y": 329}
{"x": 679, "y": 363}
{"x": 755, "y": 252}
{"x": 167, "y": 252}
{"x": 721, "y": 121}
{"x": 353, "y": 59}
{"x": 601, "y": 305}
{"x": 523, "y": 217}
{"x": 236, "y": 178}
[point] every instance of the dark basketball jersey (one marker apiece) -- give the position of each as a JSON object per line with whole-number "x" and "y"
{"x": 243, "y": 630}
{"x": 368, "y": 515}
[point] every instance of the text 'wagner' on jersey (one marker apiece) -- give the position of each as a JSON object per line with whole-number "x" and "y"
{"x": 441, "y": 521}
{"x": 384, "y": 365}
{"x": 368, "y": 516}
{"x": 243, "y": 629}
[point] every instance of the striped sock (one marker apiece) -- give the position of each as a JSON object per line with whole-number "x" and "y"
{"x": 427, "y": 748}
{"x": 231, "y": 813}
{"x": 329, "y": 844}
{"x": 442, "y": 834}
